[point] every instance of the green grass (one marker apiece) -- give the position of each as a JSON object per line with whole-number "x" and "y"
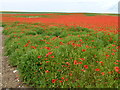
{"x": 59, "y": 13}
{"x": 91, "y": 14}
{"x": 0, "y": 24}
{"x": 95, "y": 14}
{"x": 62, "y": 57}
{"x": 63, "y": 14}
{"x": 26, "y": 12}
{"x": 34, "y": 16}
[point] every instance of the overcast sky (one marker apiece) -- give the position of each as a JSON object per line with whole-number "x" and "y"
{"x": 60, "y": 5}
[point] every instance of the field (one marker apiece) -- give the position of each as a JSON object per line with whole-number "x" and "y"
{"x": 64, "y": 50}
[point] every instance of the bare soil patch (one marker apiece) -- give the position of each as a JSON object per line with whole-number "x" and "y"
{"x": 9, "y": 75}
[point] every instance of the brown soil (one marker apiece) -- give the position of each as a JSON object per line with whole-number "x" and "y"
{"x": 8, "y": 74}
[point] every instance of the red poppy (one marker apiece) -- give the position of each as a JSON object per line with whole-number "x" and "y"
{"x": 60, "y": 81}
{"x": 66, "y": 79}
{"x": 39, "y": 56}
{"x": 57, "y": 47}
{"x": 49, "y": 53}
{"x": 54, "y": 80}
{"x": 33, "y": 47}
{"x": 102, "y": 73}
{"x": 86, "y": 66}
{"x": 47, "y": 61}
{"x": 54, "y": 38}
{"x": 94, "y": 55}
{"x": 82, "y": 59}
{"x": 79, "y": 62}
{"x": 48, "y": 48}
{"x": 75, "y": 62}
{"x": 26, "y": 45}
{"x": 70, "y": 74}
{"x": 83, "y": 50}
{"x": 113, "y": 53}
{"x": 107, "y": 55}
{"x": 83, "y": 70}
{"x": 47, "y": 71}
{"x": 100, "y": 62}
{"x": 40, "y": 68}
{"x": 97, "y": 69}
{"x": 116, "y": 69}
{"x": 78, "y": 35}
{"x": 67, "y": 63}
{"x": 52, "y": 56}
{"x": 115, "y": 63}
{"x": 62, "y": 78}
{"x": 47, "y": 42}
{"x": 80, "y": 40}
{"x": 97, "y": 61}
{"x": 117, "y": 60}
{"x": 61, "y": 43}
{"x": 87, "y": 46}
{"x": 113, "y": 45}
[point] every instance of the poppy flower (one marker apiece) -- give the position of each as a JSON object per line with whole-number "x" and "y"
{"x": 83, "y": 70}
{"x": 67, "y": 63}
{"x": 116, "y": 69}
{"x": 54, "y": 80}
{"x": 87, "y": 46}
{"x": 83, "y": 50}
{"x": 62, "y": 78}
{"x": 39, "y": 56}
{"x": 47, "y": 71}
{"x": 79, "y": 62}
{"x": 47, "y": 61}
{"x": 113, "y": 53}
{"x": 47, "y": 42}
{"x": 117, "y": 60}
{"x": 60, "y": 81}
{"x": 49, "y": 53}
{"x": 115, "y": 63}
{"x": 107, "y": 55}
{"x": 113, "y": 45}
{"x": 75, "y": 62}
{"x": 33, "y": 47}
{"x": 86, "y": 66}
{"x": 70, "y": 74}
{"x": 61, "y": 43}
{"x": 82, "y": 59}
{"x": 48, "y": 48}
{"x": 26, "y": 45}
{"x": 97, "y": 69}
{"x": 80, "y": 40}
{"x": 100, "y": 62}
{"x": 40, "y": 68}
{"x": 66, "y": 79}
{"x": 102, "y": 73}
{"x": 52, "y": 56}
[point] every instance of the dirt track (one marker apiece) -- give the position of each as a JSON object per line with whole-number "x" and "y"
{"x": 8, "y": 74}
{"x": 0, "y": 57}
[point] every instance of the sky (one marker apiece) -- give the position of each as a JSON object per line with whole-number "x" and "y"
{"x": 95, "y": 6}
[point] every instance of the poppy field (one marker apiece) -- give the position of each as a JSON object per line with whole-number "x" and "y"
{"x": 63, "y": 50}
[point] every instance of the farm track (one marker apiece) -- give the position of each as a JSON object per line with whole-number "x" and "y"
{"x": 0, "y": 57}
{"x": 8, "y": 74}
